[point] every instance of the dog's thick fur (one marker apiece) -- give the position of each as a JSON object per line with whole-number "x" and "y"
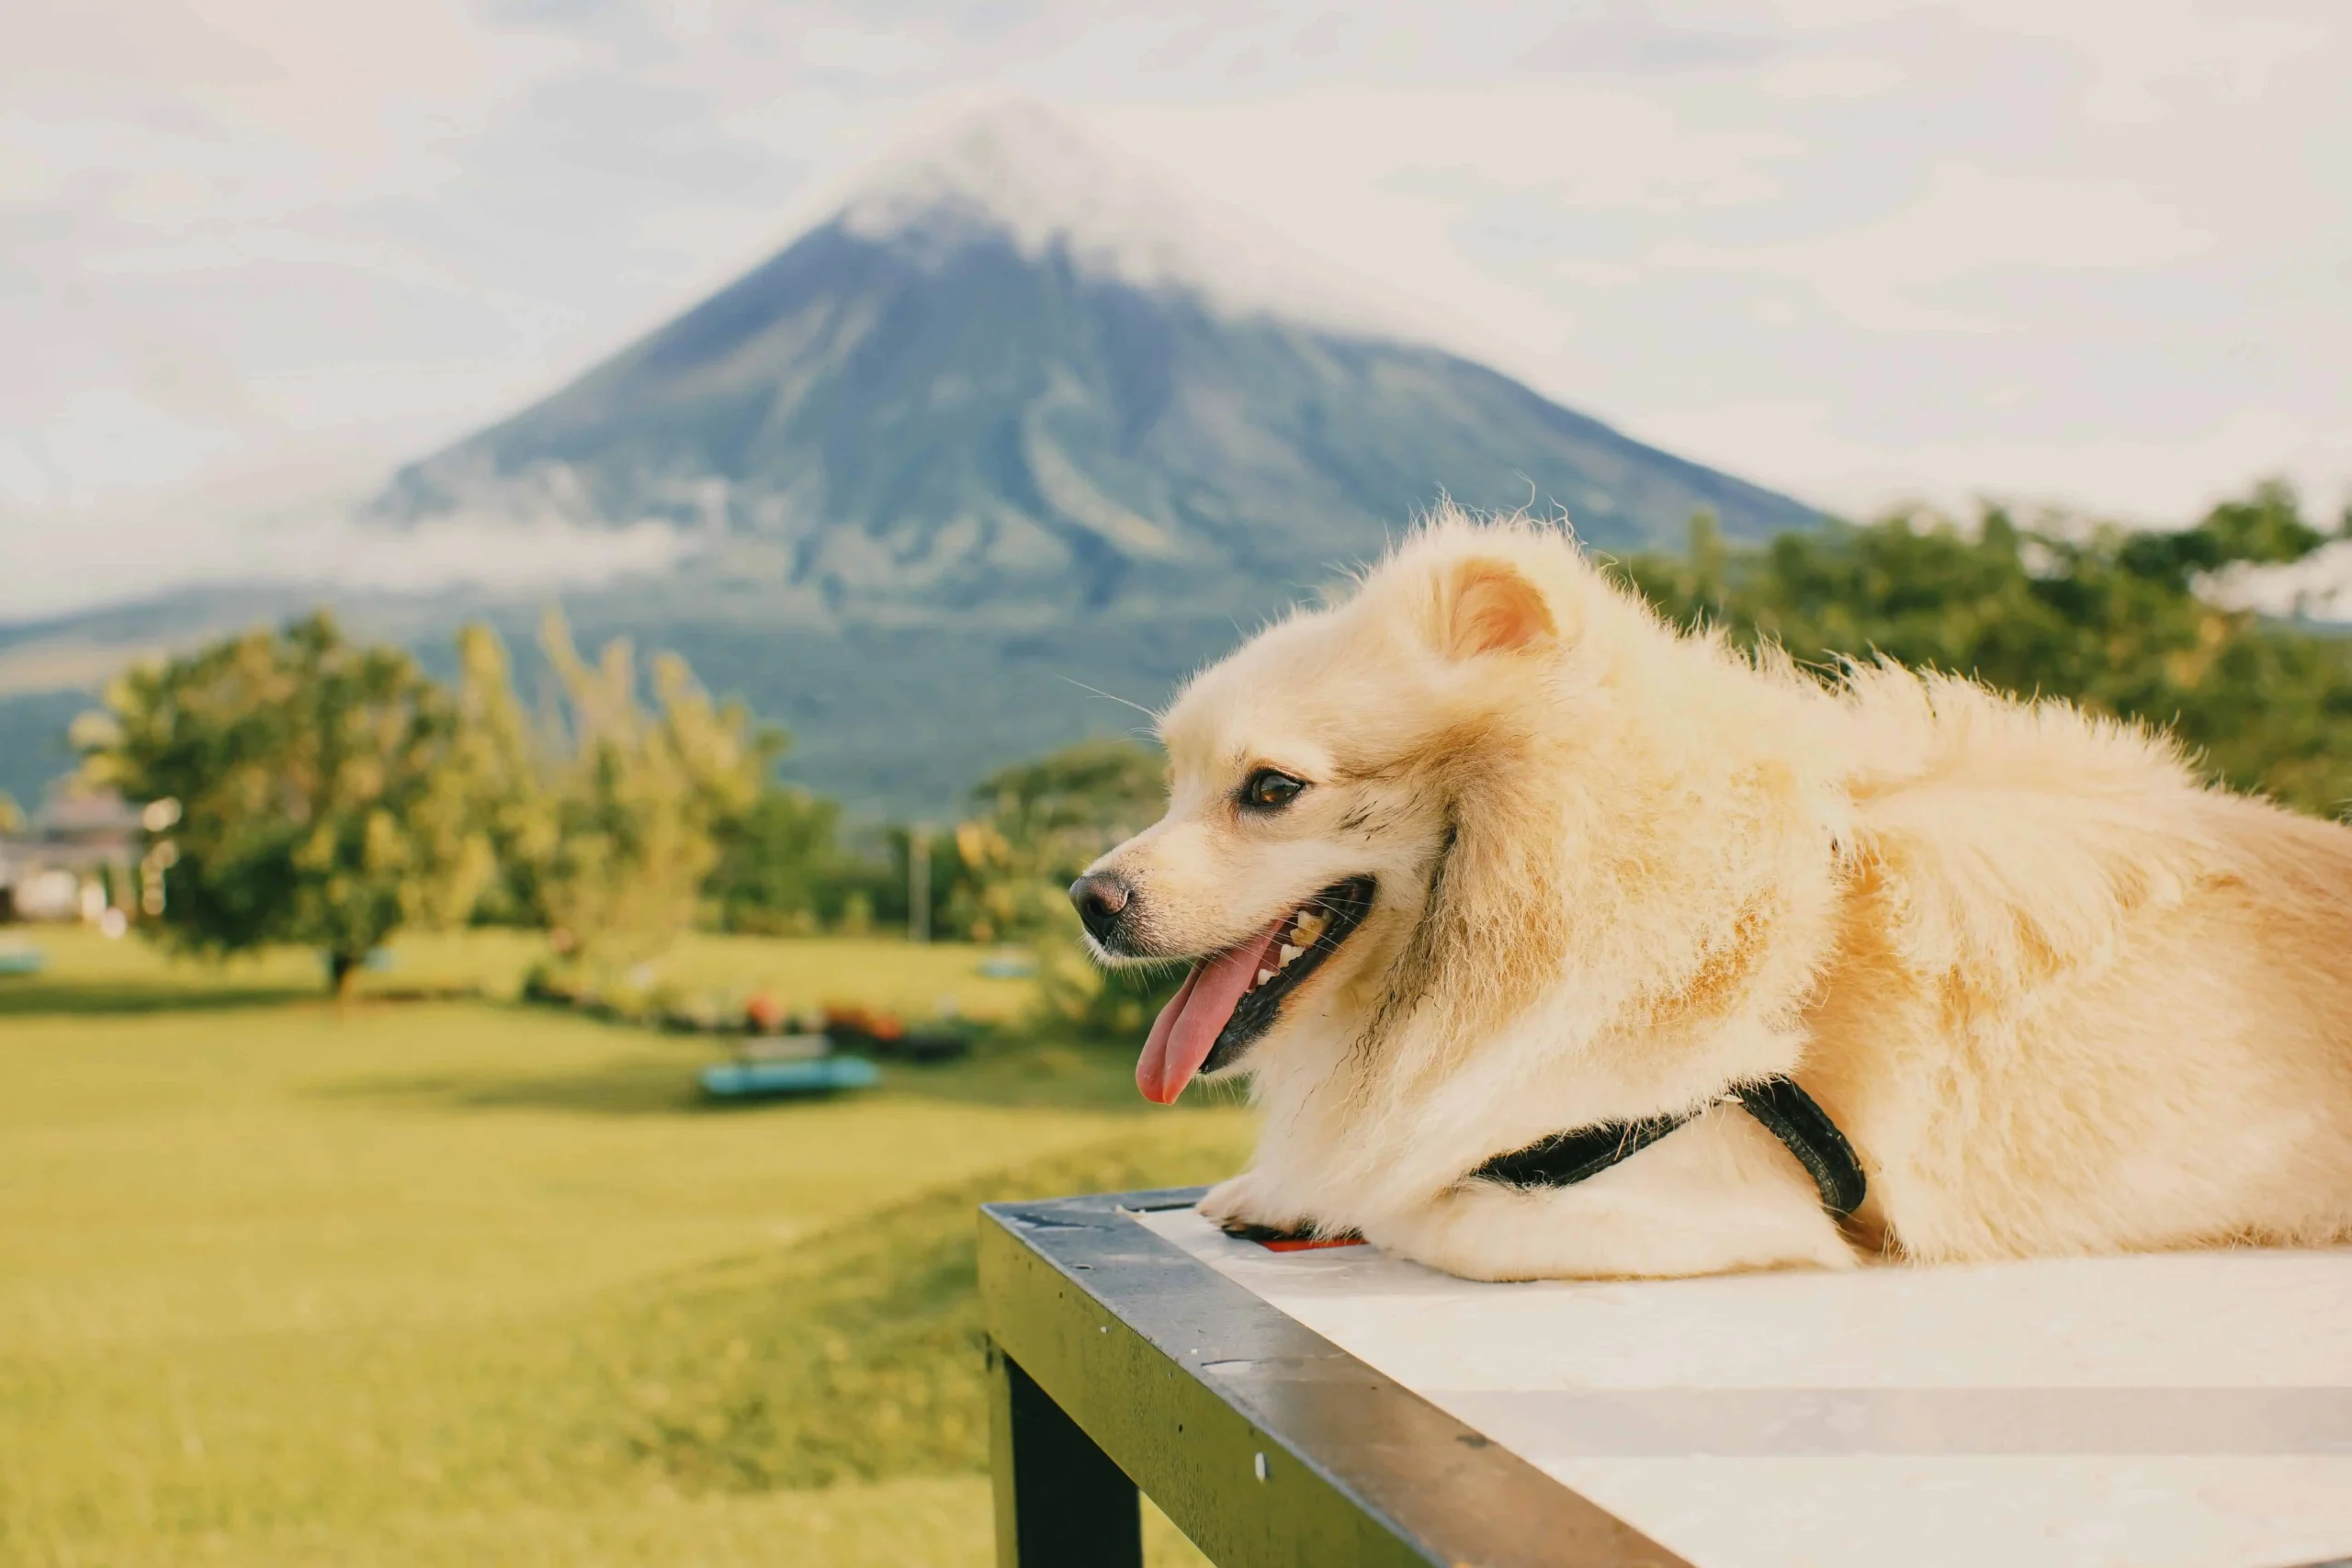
{"x": 2061, "y": 996}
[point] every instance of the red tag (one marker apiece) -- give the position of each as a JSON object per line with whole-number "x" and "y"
{"x": 1274, "y": 1240}
{"x": 1308, "y": 1244}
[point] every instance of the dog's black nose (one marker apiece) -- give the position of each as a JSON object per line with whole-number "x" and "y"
{"x": 1101, "y": 897}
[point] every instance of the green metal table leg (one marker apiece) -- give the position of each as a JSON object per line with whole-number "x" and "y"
{"x": 1060, "y": 1503}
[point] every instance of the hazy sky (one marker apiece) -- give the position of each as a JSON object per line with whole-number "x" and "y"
{"x": 251, "y": 252}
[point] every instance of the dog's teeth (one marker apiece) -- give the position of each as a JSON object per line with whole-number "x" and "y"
{"x": 1264, "y": 975}
{"x": 1306, "y": 928}
{"x": 1290, "y": 954}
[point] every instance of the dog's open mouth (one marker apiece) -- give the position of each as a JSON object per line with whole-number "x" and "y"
{"x": 1233, "y": 995}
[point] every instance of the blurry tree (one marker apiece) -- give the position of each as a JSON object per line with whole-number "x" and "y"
{"x": 508, "y": 779}
{"x": 318, "y": 799}
{"x": 12, "y": 816}
{"x": 2123, "y": 623}
{"x": 639, "y": 798}
{"x": 1037, "y": 825}
{"x": 780, "y": 869}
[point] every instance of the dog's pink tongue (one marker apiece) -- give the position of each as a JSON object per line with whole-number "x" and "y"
{"x": 1187, "y": 1028}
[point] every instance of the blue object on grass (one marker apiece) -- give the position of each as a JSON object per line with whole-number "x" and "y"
{"x": 22, "y": 960}
{"x": 764, "y": 1080}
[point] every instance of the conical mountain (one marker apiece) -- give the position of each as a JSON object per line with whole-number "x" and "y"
{"x": 1011, "y": 378}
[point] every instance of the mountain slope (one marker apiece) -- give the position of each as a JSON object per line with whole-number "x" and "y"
{"x": 955, "y": 400}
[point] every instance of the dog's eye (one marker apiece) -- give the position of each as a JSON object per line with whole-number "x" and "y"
{"x": 1269, "y": 789}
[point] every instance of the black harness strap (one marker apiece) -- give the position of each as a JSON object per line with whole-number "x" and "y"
{"x": 1787, "y": 1112}
{"x": 1797, "y": 1119}
{"x": 1566, "y": 1158}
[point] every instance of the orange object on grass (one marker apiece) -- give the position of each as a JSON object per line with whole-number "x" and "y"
{"x": 763, "y": 1013}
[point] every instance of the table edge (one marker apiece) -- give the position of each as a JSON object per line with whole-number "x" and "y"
{"x": 1091, "y": 1303}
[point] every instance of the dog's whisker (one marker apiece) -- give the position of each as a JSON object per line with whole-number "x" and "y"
{"x": 1113, "y": 696}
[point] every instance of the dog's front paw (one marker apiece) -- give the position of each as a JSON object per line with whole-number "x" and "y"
{"x": 1456, "y": 1238}
{"x": 1238, "y": 1205}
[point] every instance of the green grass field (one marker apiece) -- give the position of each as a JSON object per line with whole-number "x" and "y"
{"x": 471, "y": 1282}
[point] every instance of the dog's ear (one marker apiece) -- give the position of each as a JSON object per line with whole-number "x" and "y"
{"x": 1487, "y": 605}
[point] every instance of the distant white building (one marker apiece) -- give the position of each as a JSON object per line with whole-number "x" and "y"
{"x": 82, "y": 856}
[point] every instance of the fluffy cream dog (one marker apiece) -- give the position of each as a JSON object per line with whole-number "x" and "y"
{"x": 1486, "y": 851}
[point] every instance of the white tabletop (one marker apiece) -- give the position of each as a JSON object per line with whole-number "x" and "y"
{"x": 2192, "y": 1410}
